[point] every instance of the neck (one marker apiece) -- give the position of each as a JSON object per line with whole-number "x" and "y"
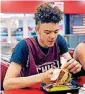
{"x": 41, "y": 43}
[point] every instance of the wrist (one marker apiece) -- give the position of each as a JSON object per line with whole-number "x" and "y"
{"x": 41, "y": 77}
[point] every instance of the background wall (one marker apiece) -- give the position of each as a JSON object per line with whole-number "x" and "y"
{"x": 70, "y": 7}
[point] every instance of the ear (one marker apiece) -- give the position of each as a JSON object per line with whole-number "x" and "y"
{"x": 37, "y": 29}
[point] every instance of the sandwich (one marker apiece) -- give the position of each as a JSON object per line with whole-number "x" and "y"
{"x": 59, "y": 79}
{"x": 60, "y": 76}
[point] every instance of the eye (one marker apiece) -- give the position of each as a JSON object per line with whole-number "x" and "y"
{"x": 56, "y": 31}
{"x": 47, "y": 32}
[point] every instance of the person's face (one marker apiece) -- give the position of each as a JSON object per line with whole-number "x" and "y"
{"x": 47, "y": 33}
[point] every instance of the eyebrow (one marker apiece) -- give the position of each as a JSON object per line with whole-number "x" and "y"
{"x": 51, "y": 31}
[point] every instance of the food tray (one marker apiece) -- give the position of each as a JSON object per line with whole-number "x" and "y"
{"x": 62, "y": 89}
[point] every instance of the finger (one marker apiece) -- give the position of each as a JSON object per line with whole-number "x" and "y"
{"x": 76, "y": 69}
{"x": 79, "y": 68}
{"x": 72, "y": 64}
{"x": 65, "y": 66}
{"x": 71, "y": 61}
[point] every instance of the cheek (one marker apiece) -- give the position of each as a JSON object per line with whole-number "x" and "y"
{"x": 45, "y": 38}
{"x": 43, "y": 35}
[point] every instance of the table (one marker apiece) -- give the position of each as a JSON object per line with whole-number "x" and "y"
{"x": 35, "y": 89}
{"x": 32, "y": 90}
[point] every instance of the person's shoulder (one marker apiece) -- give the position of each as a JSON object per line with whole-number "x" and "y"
{"x": 60, "y": 38}
{"x": 80, "y": 48}
{"x": 81, "y": 45}
{"x": 20, "y": 52}
{"x": 22, "y": 44}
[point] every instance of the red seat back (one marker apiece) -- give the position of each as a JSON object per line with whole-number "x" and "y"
{"x": 4, "y": 66}
{"x": 71, "y": 51}
{"x": 81, "y": 80}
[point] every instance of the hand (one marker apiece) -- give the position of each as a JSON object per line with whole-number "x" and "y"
{"x": 47, "y": 75}
{"x": 73, "y": 66}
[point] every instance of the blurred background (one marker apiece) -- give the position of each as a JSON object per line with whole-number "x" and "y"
{"x": 17, "y": 22}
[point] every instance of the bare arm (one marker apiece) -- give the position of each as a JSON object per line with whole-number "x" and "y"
{"x": 79, "y": 54}
{"x": 13, "y": 81}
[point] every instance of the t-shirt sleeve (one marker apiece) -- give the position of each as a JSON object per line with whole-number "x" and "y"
{"x": 20, "y": 53}
{"x": 62, "y": 44}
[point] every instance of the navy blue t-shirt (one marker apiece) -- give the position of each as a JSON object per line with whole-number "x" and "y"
{"x": 21, "y": 50}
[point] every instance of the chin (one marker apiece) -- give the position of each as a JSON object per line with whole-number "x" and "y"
{"x": 50, "y": 45}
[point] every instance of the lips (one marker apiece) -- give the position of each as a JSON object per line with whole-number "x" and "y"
{"x": 51, "y": 41}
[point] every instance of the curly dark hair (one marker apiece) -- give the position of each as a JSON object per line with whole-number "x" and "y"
{"x": 46, "y": 13}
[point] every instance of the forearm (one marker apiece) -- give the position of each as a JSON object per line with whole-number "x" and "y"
{"x": 22, "y": 82}
{"x": 81, "y": 59}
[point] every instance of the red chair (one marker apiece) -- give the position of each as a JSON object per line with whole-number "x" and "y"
{"x": 4, "y": 66}
{"x": 71, "y": 50}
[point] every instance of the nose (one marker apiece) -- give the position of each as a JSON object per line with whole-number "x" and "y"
{"x": 52, "y": 35}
